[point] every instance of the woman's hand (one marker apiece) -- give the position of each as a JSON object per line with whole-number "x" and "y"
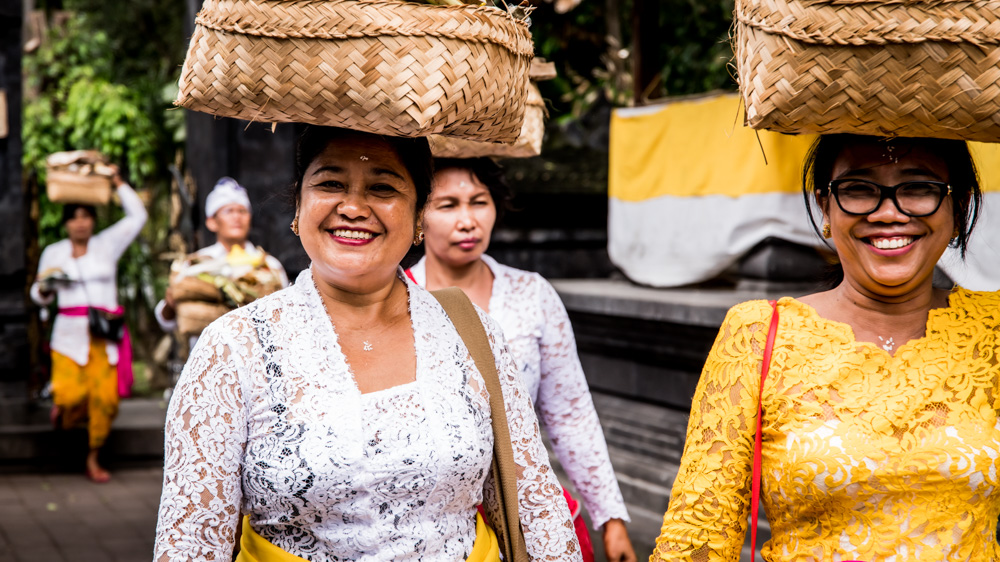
{"x": 617, "y": 545}
{"x": 116, "y": 178}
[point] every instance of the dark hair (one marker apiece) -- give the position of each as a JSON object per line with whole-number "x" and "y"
{"x": 415, "y": 155}
{"x": 69, "y": 211}
{"x": 489, "y": 173}
{"x": 962, "y": 176}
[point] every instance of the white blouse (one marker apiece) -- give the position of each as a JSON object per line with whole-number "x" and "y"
{"x": 93, "y": 278}
{"x": 267, "y": 420}
{"x": 540, "y": 337}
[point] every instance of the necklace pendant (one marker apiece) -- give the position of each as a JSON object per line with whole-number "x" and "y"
{"x": 368, "y": 346}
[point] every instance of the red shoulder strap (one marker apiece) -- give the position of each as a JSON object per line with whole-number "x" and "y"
{"x": 410, "y": 275}
{"x": 755, "y": 489}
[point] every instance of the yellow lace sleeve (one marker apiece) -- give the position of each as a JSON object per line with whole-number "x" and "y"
{"x": 709, "y": 501}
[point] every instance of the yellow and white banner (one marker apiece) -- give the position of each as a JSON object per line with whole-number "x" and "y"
{"x": 690, "y": 193}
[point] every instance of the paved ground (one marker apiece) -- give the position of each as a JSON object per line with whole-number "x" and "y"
{"x": 65, "y": 518}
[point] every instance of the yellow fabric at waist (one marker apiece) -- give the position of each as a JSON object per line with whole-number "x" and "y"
{"x": 255, "y": 548}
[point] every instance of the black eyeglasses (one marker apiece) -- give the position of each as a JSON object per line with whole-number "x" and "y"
{"x": 912, "y": 198}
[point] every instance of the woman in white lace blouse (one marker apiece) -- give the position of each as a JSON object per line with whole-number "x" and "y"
{"x": 458, "y": 219}
{"x": 344, "y": 414}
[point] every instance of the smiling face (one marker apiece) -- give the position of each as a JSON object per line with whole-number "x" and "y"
{"x": 459, "y": 217}
{"x": 231, "y": 224}
{"x": 887, "y": 253}
{"x": 357, "y": 213}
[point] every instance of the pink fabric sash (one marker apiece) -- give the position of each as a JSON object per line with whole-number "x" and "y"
{"x": 124, "y": 369}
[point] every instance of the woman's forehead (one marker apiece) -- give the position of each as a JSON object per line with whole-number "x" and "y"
{"x": 457, "y": 181}
{"x": 884, "y": 157}
{"x": 366, "y": 151}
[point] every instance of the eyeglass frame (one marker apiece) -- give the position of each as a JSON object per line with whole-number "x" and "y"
{"x": 888, "y": 192}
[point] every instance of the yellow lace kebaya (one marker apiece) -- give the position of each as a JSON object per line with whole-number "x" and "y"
{"x": 866, "y": 455}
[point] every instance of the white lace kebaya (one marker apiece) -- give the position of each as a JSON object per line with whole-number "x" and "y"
{"x": 267, "y": 419}
{"x": 540, "y": 338}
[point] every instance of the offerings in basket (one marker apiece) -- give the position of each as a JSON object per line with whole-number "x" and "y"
{"x": 218, "y": 286}
{"x": 904, "y": 68}
{"x": 79, "y": 176}
{"x": 381, "y": 66}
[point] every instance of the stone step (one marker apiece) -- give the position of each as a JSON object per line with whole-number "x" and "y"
{"x": 136, "y": 435}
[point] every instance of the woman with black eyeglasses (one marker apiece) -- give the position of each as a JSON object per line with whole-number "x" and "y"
{"x": 880, "y": 435}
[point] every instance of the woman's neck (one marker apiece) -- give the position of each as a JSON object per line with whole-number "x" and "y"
{"x": 352, "y": 308}
{"x": 79, "y": 247}
{"x": 475, "y": 278}
{"x": 888, "y": 321}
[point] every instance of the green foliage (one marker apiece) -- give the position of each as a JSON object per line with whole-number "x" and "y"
{"x": 592, "y": 48}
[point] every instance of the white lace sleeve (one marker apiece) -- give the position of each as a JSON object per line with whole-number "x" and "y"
{"x": 204, "y": 443}
{"x": 548, "y": 530}
{"x": 567, "y": 411}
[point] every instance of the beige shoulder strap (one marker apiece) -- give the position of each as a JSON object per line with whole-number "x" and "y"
{"x": 463, "y": 315}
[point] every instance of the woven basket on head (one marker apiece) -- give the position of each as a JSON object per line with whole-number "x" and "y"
{"x": 912, "y": 68}
{"x": 381, "y": 66}
{"x": 528, "y": 143}
{"x": 194, "y": 316}
{"x": 78, "y": 176}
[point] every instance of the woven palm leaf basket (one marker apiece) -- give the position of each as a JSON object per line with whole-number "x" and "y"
{"x": 380, "y": 66}
{"x": 911, "y": 68}
{"x": 527, "y": 144}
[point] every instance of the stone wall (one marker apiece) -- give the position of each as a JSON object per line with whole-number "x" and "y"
{"x": 13, "y": 210}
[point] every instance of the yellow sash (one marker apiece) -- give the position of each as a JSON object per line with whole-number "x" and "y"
{"x": 255, "y": 548}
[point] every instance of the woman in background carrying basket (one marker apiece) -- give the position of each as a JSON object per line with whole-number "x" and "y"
{"x": 91, "y": 361}
{"x": 880, "y": 435}
{"x": 344, "y": 415}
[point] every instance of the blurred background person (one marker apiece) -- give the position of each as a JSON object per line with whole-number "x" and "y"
{"x": 228, "y": 215}
{"x": 80, "y": 272}
{"x": 467, "y": 200}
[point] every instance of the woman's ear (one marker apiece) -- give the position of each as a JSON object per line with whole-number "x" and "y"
{"x": 823, "y": 202}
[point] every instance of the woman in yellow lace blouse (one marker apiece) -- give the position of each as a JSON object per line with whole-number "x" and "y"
{"x": 881, "y": 438}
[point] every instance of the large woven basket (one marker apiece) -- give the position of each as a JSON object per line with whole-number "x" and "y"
{"x": 912, "y": 68}
{"x": 528, "y": 143}
{"x": 194, "y": 316}
{"x": 381, "y": 66}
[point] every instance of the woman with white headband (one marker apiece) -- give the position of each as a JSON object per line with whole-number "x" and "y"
{"x": 227, "y": 214}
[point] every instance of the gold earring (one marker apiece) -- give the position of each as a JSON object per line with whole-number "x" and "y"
{"x": 419, "y": 238}
{"x": 295, "y": 224}
{"x": 955, "y": 233}
{"x": 826, "y": 230}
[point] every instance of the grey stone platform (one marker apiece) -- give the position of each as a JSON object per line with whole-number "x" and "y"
{"x": 27, "y": 440}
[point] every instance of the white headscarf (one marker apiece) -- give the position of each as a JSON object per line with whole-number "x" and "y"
{"x": 226, "y": 192}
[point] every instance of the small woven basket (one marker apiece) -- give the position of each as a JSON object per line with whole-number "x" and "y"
{"x": 913, "y": 68}
{"x": 381, "y": 66}
{"x": 70, "y": 187}
{"x": 194, "y": 316}
{"x": 194, "y": 289}
{"x": 78, "y": 176}
{"x": 528, "y": 143}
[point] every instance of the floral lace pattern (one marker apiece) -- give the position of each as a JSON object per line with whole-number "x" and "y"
{"x": 267, "y": 419}
{"x": 866, "y": 455}
{"x": 540, "y": 337}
